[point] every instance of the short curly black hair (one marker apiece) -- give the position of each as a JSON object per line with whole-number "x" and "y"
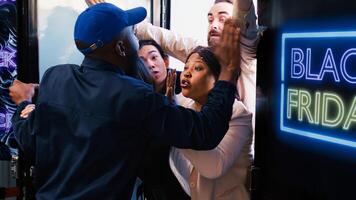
{"x": 209, "y": 58}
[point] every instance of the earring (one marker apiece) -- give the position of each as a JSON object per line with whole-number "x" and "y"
{"x": 120, "y": 48}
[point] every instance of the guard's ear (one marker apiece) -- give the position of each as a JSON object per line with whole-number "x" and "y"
{"x": 120, "y": 48}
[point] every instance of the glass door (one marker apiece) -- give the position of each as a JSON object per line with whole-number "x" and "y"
{"x": 8, "y": 72}
{"x": 56, "y": 19}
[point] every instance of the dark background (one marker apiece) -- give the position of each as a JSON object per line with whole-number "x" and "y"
{"x": 288, "y": 166}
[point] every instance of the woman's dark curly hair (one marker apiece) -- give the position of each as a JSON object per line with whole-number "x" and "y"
{"x": 209, "y": 58}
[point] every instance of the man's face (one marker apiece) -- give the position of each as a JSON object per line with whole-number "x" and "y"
{"x": 216, "y": 19}
{"x": 154, "y": 62}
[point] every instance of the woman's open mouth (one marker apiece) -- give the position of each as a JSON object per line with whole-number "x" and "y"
{"x": 184, "y": 83}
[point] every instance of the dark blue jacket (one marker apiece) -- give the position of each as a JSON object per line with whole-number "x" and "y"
{"x": 92, "y": 123}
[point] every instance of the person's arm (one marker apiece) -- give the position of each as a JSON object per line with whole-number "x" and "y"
{"x": 249, "y": 37}
{"x": 23, "y": 125}
{"x": 246, "y": 14}
{"x": 185, "y": 128}
{"x": 180, "y": 46}
{"x": 215, "y": 163}
{"x": 20, "y": 91}
{"x": 175, "y": 45}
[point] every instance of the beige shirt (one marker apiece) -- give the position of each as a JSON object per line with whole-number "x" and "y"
{"x": 221, "y": 173}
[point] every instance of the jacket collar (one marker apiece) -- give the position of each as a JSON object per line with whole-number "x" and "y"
{"x": 97, "y": 64}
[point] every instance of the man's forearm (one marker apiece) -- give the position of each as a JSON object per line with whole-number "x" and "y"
{"x": 175, "y": 45}
{"x": 185, "y": 128}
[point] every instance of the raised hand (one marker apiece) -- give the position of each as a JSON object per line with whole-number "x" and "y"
{"x": 20, "y": 91}
{"x": 93, "y": 2}
{"x": 170, "y": 84}
{"x": 228, "y": 51}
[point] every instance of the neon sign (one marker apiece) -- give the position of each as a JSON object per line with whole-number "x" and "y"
{"x": 8, "y": 62}
{"x": 318, "y": 86}
{"x": 7, "y": 56}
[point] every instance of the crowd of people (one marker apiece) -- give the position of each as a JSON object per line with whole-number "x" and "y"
{"x": 124, "y": 114}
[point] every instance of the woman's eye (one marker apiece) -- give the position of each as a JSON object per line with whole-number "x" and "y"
{"x": 198, "y": 68}
{"x": 154, "y": 57}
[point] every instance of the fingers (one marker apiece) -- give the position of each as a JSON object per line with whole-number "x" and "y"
{"x": 169, "y": 93}
{"x": 15, "y": 82}
{"x": 170, "y": 84}
{"x": 224, "y": 35}
{"x": 89, "y": 2}
{"x": 235, "y": 50}
{"x": 99, "y": 1}
{"x": 171, "y": 77}
{"x": 229, "y": 27}
{"x": 174, "y": 77}
{"x": 232, "y": 39}
{"x": 28, "y": 109}
{"x": 168, "y": 78}
{"x": 93, "y": 2}
{"x": 228, "y": 49}
{"x": 232, "y": 35}
{"x": 35, "y": 85}
{"x": 20, "y": 91}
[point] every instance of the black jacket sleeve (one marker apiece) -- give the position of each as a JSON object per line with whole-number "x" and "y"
{"x": 24, "y": 130}
{"x": 186, "y": 128}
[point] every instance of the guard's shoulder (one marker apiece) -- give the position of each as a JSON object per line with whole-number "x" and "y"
{"x": 135, "y": 84}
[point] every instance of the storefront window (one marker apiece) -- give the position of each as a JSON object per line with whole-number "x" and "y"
{"x": 56, "y": 19}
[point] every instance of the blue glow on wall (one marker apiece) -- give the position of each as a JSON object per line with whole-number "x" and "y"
{"x": 318, "y": 84}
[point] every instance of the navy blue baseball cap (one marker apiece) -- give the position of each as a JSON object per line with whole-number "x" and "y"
{"x": 101, "y": 23}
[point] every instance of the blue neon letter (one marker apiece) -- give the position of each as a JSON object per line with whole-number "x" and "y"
{"x": 329, "y": 66}
{"x": 297, "y": 58}
{"x": 308, "y": 74}
{"x": 345, "y": 56}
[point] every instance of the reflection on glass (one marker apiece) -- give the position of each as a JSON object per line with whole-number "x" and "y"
{"x": 8, "y": 66}
{"x": 56, "y": 26}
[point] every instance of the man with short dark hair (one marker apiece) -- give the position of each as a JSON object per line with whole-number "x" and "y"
{"x": 157, "y": 62}
{"x": 88, "y": 133}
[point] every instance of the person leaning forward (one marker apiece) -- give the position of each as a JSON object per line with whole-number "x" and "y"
{"x": 88, "y": 133}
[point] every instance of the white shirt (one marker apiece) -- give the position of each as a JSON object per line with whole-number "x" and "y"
{"x": 223, "y": 170}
